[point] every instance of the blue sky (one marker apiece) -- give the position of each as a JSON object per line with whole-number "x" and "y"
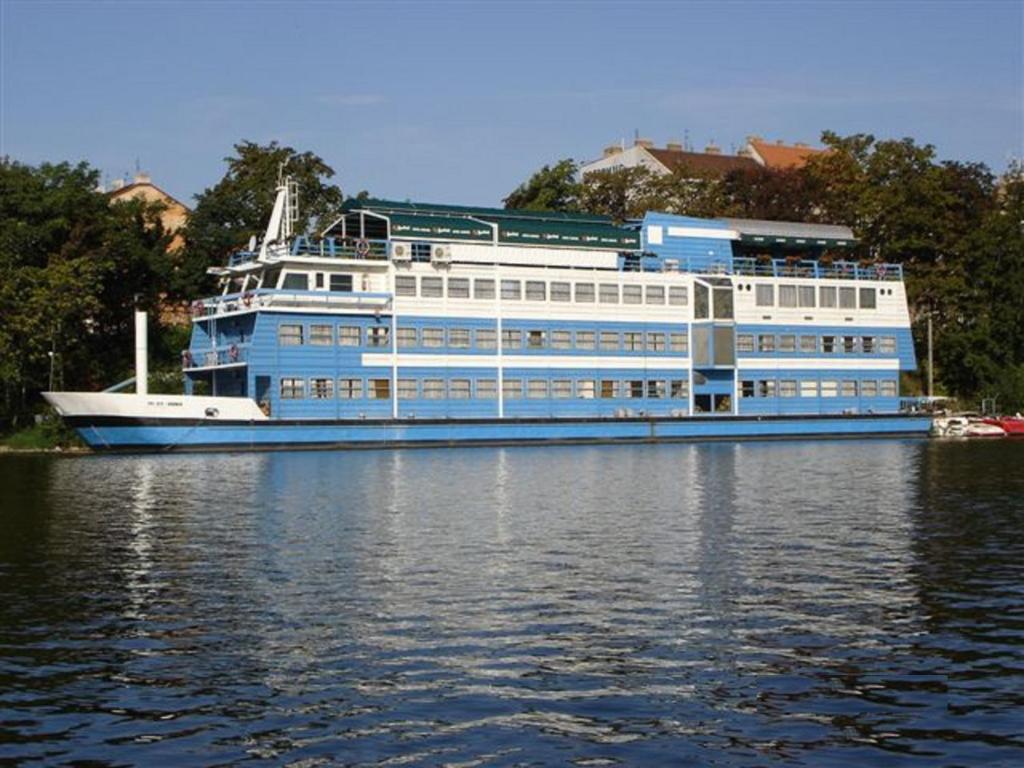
{"x": 460, "y": 102}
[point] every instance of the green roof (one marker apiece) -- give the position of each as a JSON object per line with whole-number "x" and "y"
{"x": 407, "y": 226}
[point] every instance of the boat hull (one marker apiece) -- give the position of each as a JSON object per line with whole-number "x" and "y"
{"x": 169, "y": 434}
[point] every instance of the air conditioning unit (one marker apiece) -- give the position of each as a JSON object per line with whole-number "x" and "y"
{"x": 401, "y": 252}
{"x": 441, "y": 254}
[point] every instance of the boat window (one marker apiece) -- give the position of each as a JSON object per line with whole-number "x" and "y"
{"x": 536, "y": 339}
{"x": 321, "y": 389}
{"x": 420, "y": 252}
{"x": 827, "y": 296}
{"x": 433, "y": 337}
{"x": 609, "y": 293}
{"x": 321, "y": 335}
{"x": 787, "y": 388}
{"x": 512, "y": 389}
{"x": 747, "y": 388}
{"x": 701, "y": 301}
{"x": 848, "y": 388}
{"x": 585, "y": 293}
{"x": 511, "y": 290}
{"x": 766, "y": 342}
{"x": 378, "y": 336}
{"x": 847, "y": 298}
{"x": 655, "y": 294}
{"x": 849, "y": 344}
{"x": 458, "y": 287}
{"x": 319, "y": 279}
{"x": 765, "y": 296}
{"x": 585, "y": 389}
{"x": 828, "y": 344}
{"x": 633, "y": 389}
{"x": 868, "y": 298}
{"x": 293, "y": 389}
{"x": 584, "y": 339}
{"x": 887, "y": 345}
{"x": 289, "y": 335}
{"x": 536, "y": 290}
{"x": 511, "y": 339}
{"x": 808, "y": 388}
{"x": 806, "y": 295}
{"x": 458, "y": 338}
{"x": 486, "y": 389}
{"x": 867, "y": 344}
{"x": 561, "y": 340}
{"x": 458, "y": 389}
{"x": 433, "y": 389}
{"x": 405, "y": 285}
{"x": 632, "y": 294}
{"x": 609, "y": 388}
{"x": 888, "y": 388}
{"x": 680, "y": 388}
{"x": 431, "y": 287}
{"x": 350, "y": 336}
{"x": 725, "y": 352}
{"x": 610, "y": 340}
{"x": 787, "y": 296}
{"x": 787, "y": 342}
{"x": 537, "y": 389}
{"x": 270, "y": 278}
{"x": 829, "y": 388}
{"x": 408, "y": 389}
{"x": 677, "y": 295}
{"x": 483, "y": 289}
{"x": 486, "y": 338}
{"x": 723, "y": 303}
{"x": 350, "y": 389}
{"x": 869, "y": 388}
{"x": 406, "y": 337}
{"x": 561, "y": 292}
{"x": 655, "y": 342}
{"x": 633, "y": 342}
{"x": 744, "y": 342}
{"x": 678, "y": 342}
{"x": 378, "y": 389}
{"x": 809, "y": 344}
{"x": 295, "y": 281}
{"x": 766, "y": 388}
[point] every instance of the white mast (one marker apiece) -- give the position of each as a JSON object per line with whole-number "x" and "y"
{"x": 283, "y": 217}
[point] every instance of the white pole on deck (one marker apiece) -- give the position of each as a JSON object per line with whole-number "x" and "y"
{"x": 141, "y": 355}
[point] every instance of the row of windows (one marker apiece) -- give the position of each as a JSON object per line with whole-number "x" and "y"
{"x": 290, "y": 334}
{"x": 484, "y": 389}
{"x": 811, "y": 388}
{"x": 809, "y": 296}
{"x": 539, "y": 290}
{"x": 827, "y": 344}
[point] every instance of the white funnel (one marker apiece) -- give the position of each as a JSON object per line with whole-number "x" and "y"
{"x": 141, "y": 355}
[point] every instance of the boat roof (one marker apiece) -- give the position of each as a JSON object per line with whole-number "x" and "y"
{"x": 759, "y": 231}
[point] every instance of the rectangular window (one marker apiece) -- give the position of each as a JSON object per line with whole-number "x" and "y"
{"x": 585, "y": 293}
{"x": 511, "y": 290}
{"x": 766, "y": 342}
{"x": 289, "y": 335}
{"x": 808, "y": 388}
{"x": 561, "y": 292}
{"x": 655, "y": 342}
{"x": 512, "y": 389}
{"x": 321, "y": 389}
{"x": 678, "y": 295}
{"x": 787, "y": 342}
{"x": 585, "y": 389}
{"x": 849, "y": 345}
{"x": 458, "y": 287}
{"x": 655, "y": 294}
{"x": 610, "y": 341}
{"x": 406, "y": 337}
{"x": 887, "y": 387}
{"x": 378, "y": 389}
{"x": 634, "y": 342}
{"x": 869, "y": 389}
{"x": 298, "y": 281}
{"x": 656, "y": 389}
{"x": 609, "y": 389}
{"x": 701, "y": 301}
{"x": 632, "y": 294}
{"x": 787, "y": 296}
{"x": 536, "y": 339}
{"x": 486, "y": 338}
{"x": 420, "y": 252}
{"x": 483, "y": 289}
{"x": 680, "y": 389}
{"x": 827, "y": 297}
{"x": 536, "y": 290}
{"x": 350, "y": 336}
{"x": 321, "y": 335}
{"x": 511, "y": 339}
{"x": 378, "y": 336}
{"x": 828, "y": 344}
{"x": 723, "y": 309}
{"x": 848, "y": 388}
{"x": 432, "y": 287}
{"x": 806, "y": 295}
{"x": 407, "y": 389}
{"x": 787, "y": 388}
{"x": 293, "y": 389}
{"x": 867, "y": 298}
{"x": 458, "y": 389}
{"x": 486, "y": 389}
{"x": 432, "y": 337}
{"x": 537, "y": 389}
{"x": 809, "y": 344}
{"x": 829, "y": 388}
{"x": 458, "y": 338}
{"x": 609, "y": 293}
{"x": 766, "y": 388}
{"x": 678, "y": 342}
{"x": 887, "y": 345}
{"x": 561, "y": 340}
{"x": 634, "y": 389}
{"x": 746, "y": 388}
{"x": 319, "y": 279}
{"x": 561, "y": 388}
{"x": 405, "y": 285}
{"x": 867, "y": 344}
{"x": 350, "y": 389}
{"x": 847, "y": 298}
{"x": 584, "y": 339}
{"x": 433, "y": 389}
{"x": 765, "y": 295}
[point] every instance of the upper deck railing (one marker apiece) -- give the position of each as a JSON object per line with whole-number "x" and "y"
{"x": 327, "y": 248}
{"x": 277, "y": 298}
{"x": 836, "y": 270}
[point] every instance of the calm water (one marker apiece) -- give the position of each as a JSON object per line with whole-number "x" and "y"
{"x": 818, "y": 603}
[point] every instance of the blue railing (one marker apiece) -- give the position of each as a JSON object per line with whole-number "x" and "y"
{"x": 839, "y": 270}
{"x": 233, "y": 354}
{"x": 340, "y": 248}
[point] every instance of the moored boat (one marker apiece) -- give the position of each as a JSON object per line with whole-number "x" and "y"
{"x": 1011, "y": 425}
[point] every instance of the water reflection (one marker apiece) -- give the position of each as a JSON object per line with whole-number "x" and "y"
{"x": 813, "y": 603}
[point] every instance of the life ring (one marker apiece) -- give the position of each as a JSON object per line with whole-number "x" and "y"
{"x": 880, "y": 271}
{"x": 362, "y": 247}
{"x": 233, "y": 353}
{"x": 247, "y": 299}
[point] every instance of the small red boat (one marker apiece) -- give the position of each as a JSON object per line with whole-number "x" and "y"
{"x": 1011, "y": 425}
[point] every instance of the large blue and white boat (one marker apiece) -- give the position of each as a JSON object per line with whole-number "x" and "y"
{"x": 413, "y": 324}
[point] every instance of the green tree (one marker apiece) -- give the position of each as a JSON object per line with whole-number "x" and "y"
{"x": 552, "y": 188}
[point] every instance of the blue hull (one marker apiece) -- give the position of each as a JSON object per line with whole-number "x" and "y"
{"x": 162, "y": 435}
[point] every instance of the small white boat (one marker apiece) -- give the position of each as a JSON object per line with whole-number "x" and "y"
{"x": 965, "y": 425}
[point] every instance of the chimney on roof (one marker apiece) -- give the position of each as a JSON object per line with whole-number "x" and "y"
{"x": 802, "y": 145}
{"x": 645, "y": 143}
{"x": 611, "y": 150}
{"x": 116, "y": 184}
{"x": 142, "y": 178}
{"x": 712, "y": 149}
{"x": 673, "y": 146}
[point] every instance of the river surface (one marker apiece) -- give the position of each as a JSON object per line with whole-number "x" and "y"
{"x": 731, "y": 604}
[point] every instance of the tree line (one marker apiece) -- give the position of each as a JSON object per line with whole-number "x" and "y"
{"x": 73, "y": 266}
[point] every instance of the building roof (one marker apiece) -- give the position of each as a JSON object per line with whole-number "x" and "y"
{"x": 791, "y": 232}
{"x": 137, "y": 185}
{"x": 783, "y": 156}
{"x": 701, "y": 162}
